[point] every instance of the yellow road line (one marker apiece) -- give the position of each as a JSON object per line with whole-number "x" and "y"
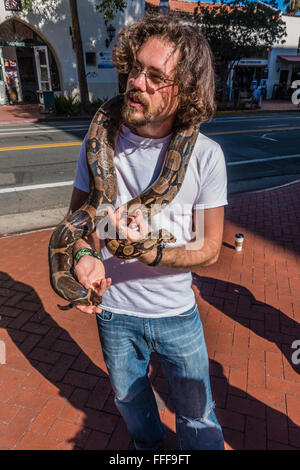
{"x": 246, "y": 131}
{"x": 42, "y": 146}
{"x": 70, "y": 144}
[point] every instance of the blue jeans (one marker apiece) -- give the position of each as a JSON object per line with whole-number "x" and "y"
{"x": 127, "y": 343}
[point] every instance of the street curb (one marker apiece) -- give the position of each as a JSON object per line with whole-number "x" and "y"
{"x": 47, "y": 119}
{"x": 89, "y": 118}
{"x": 26, "y": 222}
{"x": 26, "y": 232}
{"x": 258, "y": 111}
{"x": 264, "y": 190}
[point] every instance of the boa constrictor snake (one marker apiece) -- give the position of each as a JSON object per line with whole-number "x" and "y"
{"x": 103, "y": 190}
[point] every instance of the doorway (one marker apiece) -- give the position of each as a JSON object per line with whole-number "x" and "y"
{"x": 34, "y": 71}
{"x": 28, "y": 75}
{"x": 35, "y": 64}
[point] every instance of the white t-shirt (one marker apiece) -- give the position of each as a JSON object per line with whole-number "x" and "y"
{"x": 138, "y": 289}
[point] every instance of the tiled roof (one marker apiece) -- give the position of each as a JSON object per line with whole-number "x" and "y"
{"x": 177, "y": 5}
{"x": 183, "y": 6}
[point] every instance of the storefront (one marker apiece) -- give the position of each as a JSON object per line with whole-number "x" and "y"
{"x": 27, "y": 63}
{"x": 37, "y": 47}
{"x": 249, "y": 70}
{"x": 249, "y": 74}
{"x": 289, "y": 72}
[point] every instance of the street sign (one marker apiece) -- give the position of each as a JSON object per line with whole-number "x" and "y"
{"x": 105, "y": 60}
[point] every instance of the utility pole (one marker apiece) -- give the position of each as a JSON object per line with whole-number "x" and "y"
{"x": 77, "y": 43}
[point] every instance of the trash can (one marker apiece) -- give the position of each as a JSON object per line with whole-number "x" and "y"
{"x": 46, "y": 101}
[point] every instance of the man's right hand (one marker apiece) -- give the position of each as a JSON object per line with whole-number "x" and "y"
{"x": 90, "y": 273}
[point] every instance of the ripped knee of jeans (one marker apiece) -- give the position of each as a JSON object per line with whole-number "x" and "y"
{"x": 206, "y": 419}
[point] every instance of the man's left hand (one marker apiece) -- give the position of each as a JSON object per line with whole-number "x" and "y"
{"x": 131, "y": 229}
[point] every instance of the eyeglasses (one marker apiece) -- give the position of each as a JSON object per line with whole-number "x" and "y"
{"x": 153, "y": 80}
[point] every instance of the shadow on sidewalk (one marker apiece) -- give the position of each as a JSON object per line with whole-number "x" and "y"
{"x": 238, "y": 303}
{"x": 51, "y": 350}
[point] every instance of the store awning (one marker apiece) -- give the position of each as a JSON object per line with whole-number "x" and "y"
{"x": 292, "y": 59}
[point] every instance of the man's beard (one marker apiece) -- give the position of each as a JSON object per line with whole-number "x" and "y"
{"x": 133, "y": 117}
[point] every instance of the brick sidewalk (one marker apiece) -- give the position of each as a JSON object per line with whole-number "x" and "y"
{"x": 19, "y": 112}
{"x": 54, "y": 390}
{"x": 14, "y": 114}
{"x": 30, "y": 112}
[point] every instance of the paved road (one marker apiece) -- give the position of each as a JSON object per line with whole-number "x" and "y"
{"x": 38, "y": 162}
{"x": 261, "y": 150}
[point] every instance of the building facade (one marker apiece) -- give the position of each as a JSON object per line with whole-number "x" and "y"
{"x": 275, "y": 69}
{"x": 36, "y": 51}
{"x": 284, "y": 61}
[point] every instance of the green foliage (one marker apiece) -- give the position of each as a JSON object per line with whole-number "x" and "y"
{"x": 27, "y": 5}
{"x": 109, "y": 8}
{"x": 32, "y": 5}
{"x": 240, "y": 28}
{"x": 67, "y": 105}
{"x": 93, "y": 106}
{"x": 71, "y": 106}
{"x": 236, "y": 29}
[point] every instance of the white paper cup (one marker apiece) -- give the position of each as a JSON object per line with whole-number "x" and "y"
{"x": 239, "y": 239}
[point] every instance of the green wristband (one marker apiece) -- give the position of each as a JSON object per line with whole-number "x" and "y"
{"x": 87, "y": 251}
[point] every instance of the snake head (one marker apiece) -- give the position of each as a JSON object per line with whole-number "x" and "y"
{"x": 88, "y": 297}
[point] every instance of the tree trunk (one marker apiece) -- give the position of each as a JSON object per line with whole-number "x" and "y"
{"x": 77, "y": 44}
{"x": 224, "y": 78}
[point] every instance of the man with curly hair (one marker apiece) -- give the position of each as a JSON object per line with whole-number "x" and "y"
{"x": 148, "y": 305}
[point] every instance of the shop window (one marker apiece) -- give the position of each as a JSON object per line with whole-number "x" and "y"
{"x": 90, "y": 58}
{"x": 14, "y": 31}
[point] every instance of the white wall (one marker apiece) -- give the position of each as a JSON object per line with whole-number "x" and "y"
{"x": 52, "y": 20}
{"x": 293, "y": 31}
{"x": 288, "y": 48}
